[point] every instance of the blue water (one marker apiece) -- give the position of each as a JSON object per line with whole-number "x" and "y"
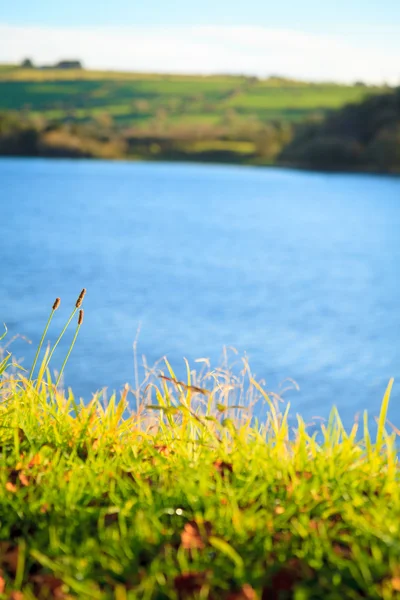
{"x": 298, "y": 270}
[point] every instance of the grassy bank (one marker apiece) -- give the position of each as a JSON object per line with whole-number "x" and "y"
{"x": 173, "y": 491}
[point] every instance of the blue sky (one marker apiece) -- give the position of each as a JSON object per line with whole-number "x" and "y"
{"x": 315, "y": 15}
{"x": 342, "y": 39}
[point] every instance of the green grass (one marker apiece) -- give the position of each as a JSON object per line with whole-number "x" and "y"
{"x": 298, "y": 97}
{"x": 87, "y": 93}
{"x": 172, "y": 491}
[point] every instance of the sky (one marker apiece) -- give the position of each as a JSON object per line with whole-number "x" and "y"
{"x": 343, "y": 40}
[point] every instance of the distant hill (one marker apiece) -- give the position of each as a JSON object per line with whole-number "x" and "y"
{"x": 362, "y": 136}
{"x": 236, "y": 119}
{"x": 140, "y": 100}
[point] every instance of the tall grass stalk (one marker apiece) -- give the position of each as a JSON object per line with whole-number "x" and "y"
{"x": 53, "y": 310}
{"x": 78, "y": 304}
{"x": 80, "y": 321}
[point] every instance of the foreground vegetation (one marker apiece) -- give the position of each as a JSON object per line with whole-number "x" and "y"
{"x": 235, "y": 119}
{"x": 184, "y": 495}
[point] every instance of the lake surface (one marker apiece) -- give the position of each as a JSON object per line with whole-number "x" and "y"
{"x": 298, "y": 270}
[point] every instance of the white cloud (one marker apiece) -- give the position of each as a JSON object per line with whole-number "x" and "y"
{"x": 206, "y": 49}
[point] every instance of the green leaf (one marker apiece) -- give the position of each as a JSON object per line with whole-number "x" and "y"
{"x": 167, "y": 409}
{"x": 383, "y": 413}
{"x": 229, "y": 424}
{"x": 4, "y": 363}
{"x": 222, "y": 408}
{"x": 226, "y": 549}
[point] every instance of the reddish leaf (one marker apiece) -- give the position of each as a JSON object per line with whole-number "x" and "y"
{"x": 16, "y": 596}
{"x": 23, "y": 478}
{"x": 188, "y": 584}
{"x": 342, "y": 550}
{"x": 282, "y": 536}
{"x": 290, "y": 488}
{"x": 9, "y": 557}
{"x": 315, "y": 524}
{"x": 286, "y": 578}
{"x": 110, "y": 518}
{"x": 10, "y": 487}
{"x": 13, "y": 475}
{"x": 95, "y": 445}
{"x": 304, "y": 475}
{"x": 335, "y": 518}
{"x": 245, "y": 593}
{"x": 195, "y": 535}
{"x": 45, "y": 583}
{"x": 36, "y": 460}
{"x": 2, "y": 584}
{"x": 396, "y": 584}
{"x": 223, "y": 467}
{"x": 164, "y": 450}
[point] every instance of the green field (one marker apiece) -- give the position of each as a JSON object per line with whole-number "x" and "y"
{"x": 135, "y": 99}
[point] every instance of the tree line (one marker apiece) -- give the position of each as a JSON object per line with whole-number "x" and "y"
{"x": 363, "y": 136}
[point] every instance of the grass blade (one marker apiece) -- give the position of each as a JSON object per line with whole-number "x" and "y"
{"x": 383, "y": 415}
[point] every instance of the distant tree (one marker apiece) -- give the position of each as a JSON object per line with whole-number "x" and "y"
{"x": 27, "y": 64}
{"x": 267, "y": 143}
{"x": 69, "y": 64}
{"x": 285, "y": 132}
{"x": 28, "y": 141}
{"x": 325, "y": 152}
{"x": 358, "y": 136}
{"x": 384, "y": 150}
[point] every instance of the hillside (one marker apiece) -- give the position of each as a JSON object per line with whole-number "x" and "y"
{"x": 236, "y": 119}
{"x": 146, "y": 100}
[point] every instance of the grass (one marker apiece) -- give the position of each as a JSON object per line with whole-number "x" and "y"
{"x": 57, "y": 93}
{"x": 172, "y": 490}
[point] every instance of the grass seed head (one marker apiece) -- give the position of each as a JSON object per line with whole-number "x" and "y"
{"x": 80, "y": 318}
{"x": 57, "y": 303}
{"x": 80, "y": 298}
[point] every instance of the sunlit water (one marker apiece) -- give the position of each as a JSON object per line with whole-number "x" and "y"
{"x": 299, "y": 271}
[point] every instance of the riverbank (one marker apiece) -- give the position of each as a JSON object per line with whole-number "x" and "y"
{"x": 199, "y": 159}
{"x": 184, "y": 497}
{"x": 60, "y": 141}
